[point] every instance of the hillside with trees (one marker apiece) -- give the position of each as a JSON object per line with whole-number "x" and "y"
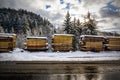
{"x": 22, "y": 21}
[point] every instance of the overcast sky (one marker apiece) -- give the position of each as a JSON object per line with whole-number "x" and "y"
{"x": 106, "y": 12}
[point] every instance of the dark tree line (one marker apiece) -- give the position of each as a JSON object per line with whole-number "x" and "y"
{"x": 22, "y": 21}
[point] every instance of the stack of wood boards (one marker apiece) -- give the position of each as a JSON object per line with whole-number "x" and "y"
{"x": 91, "y": 42}
{"x": 62, "y": 42}
{"x": 36, "y": 43}
{"x": 7, "y": 41}
{"x": 113, "y": 43}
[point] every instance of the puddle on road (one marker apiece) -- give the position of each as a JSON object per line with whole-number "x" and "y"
{"x": 84, "y": 73}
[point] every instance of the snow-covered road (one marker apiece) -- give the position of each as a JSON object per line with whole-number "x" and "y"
{"x": 21, "y": 55}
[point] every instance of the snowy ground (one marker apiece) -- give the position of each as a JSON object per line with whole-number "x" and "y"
{"x": 21, "y": 55}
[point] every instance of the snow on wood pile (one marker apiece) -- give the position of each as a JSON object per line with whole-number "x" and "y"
{"x": 7, "y": 41}
{"x": 91, "y": 42}
{"x": 62, "y": 42}
{"x": 7, "y": 34}
{"x": 62, "y": 35}
{"x": 33, "y": 37}
{"x": 113, "y": 43}
{"x": 92, "y": 36}
{"x": 38, "y": 43}
{"x": 20, "y": 55}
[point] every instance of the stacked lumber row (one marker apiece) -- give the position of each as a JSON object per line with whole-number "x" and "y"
{"x": 91, "y": 43}
{"x": 7, "y": 42}
{"x": 62, "y": 42}
{"x": 36, "y": 43}
{"x": 113, "y": 43}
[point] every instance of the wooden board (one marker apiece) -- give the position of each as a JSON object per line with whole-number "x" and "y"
{"x": 88, "y": 46}
{"x": 62, "y": 42}
{"x": 92, "y": 49}
{"x": 113, "y": 39}
{"x": 114, "y": 42}
{"x": 5, "y": 49}
{"x": 113, "y": 48}
{"x": 31, "y": 48}
{"x": 6, "y": 46}
{"x": 37, "y": 43}
{"x": 93, "y": 44}
{"x": 92, "y": 38}
{"x": 7, "y": 41}
{"x": 61, "y": 48}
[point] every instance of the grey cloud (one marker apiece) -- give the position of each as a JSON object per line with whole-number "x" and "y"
{"x": 74, "y": 7}
{"x": 88, "y": 3}
{"x": 56, "y": 16}
{"x": 6, "y": 3}
{"x": 16, "y": 4}
{"x": 115, "y": 29}
{"x": 48, "y": 0}
{"x": 108, "y": 12}
{"x": 49, "y": 15}
{"x": 102, "y": 21}
{"x": 43, "y": 13}
{"x": 116, "y": 3}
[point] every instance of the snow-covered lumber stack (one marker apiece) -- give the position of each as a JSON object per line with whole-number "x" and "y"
{"x": 62, "y": 42}
{"x": 91, "y": 43}
{"x": 7, "y": 41}
{"x": 113, "y": 43}
{"x": 36, "y": 43}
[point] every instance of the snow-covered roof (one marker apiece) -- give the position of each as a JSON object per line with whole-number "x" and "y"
{"x": 63, "y": 35}
{"x": 8, "y": 34}
{"x": 91, "y": 36}
{"x": 112, "y": 36}
{"x": 34, "y": 37}
{"x": 5, "y": 36}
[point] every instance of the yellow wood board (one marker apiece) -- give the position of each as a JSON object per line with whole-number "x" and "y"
{"x": 93, "y": 44}
{"x": 6, "y": 44}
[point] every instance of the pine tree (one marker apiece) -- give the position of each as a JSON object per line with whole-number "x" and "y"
{"x": 25, "y": 26}
{"x": 76, "y": 32}
{"x": 67, "y": 24}
{"x": 78, "y": 22}
{"x": 35, "y": 28}
{"x": 1, "y": 29}
{"x": 12, "y": 30}
{"x": 89, "y": 26}
{"x": 79, "y": 27}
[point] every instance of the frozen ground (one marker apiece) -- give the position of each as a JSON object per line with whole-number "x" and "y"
{"x": 21, "y": 55}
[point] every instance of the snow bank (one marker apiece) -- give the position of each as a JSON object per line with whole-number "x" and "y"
{"x": 21, "y": 55}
